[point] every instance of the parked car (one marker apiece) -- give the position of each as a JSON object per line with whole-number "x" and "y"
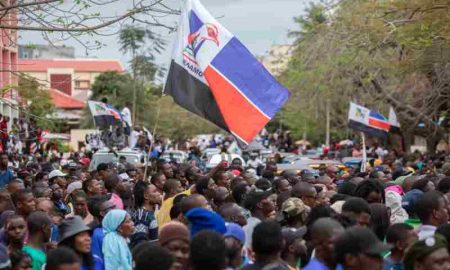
{"x": 107, "y": 156}
{"x": 174, "y": 155}
{"x": 217, "y": 158}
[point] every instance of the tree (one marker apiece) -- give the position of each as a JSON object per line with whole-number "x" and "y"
{"x": 371, "y": 52}
{"x": 59, "y": 20}
{"x": 115, "y": 86}
{"x": 37, "y": 102}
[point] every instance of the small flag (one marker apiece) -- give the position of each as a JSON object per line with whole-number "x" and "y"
{"x": 213, "y": 75}
{"x": 104, "y": 114}
{"x": 367, "y": 121}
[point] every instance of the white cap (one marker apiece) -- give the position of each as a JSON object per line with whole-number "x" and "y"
{"x": 74, "y": 186}
{"x": 56, "y": 173}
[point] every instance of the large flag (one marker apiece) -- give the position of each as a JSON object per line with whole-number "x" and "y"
{"x": 213, "y": 75}
{"x": 104, "y": 114}
{"x": 367, "y": 121}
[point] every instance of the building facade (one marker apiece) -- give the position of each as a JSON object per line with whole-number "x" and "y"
{"x": 277, "y": 59}
{"x": 45, "y": 52}
{"x": 8, "y": 64}
{"x": 73, "y": 77}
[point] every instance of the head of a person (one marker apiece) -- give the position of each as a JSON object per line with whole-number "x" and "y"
{"x": 165, "y": 167}
{"x": 194, "y": 201}
{"x": 4, "y": 159}
{"x": 359, "y": 248}
{"x": 263, "y": 184}
{"x": 324, "y": 233}
{"x": 444, "y": 185}
{"x": 74, "y": 234}
{"x": 332, "y": 171}
{"x": 271, "y": 166}
{"x": 24, "y": 201}
{"x": 232, "y": 212}
{"x": 370, "y": 190}
{"x": 118, "y": 221}
{"x": 92, "y": 187}
{"x": 306, "y": 192}
{"x": 239, "y": 193}
{"x": 222, "y": 179}
{"x": 20, "y": 260}
{"x": 55, "y": 177}
{"x": 221, "y": 196}
{"x": 39, "y": 226}
{"x": 357, "y": 210}
{"x": 259, "y": 203}
{"x": 103, "y": 171}
{"x": 267, "y": 240}
{"x": 172, "y": 187}
{"x": 282, "y": 185}
{"x": 428, "y": 254}
{"x": 99, "y": 206}
{"x": 159, "y": 179}
{"x": 152, "y": 256}
{"x": 207, "y": 251}
{"x": 16, "y": 229}
{"x": 62, "y": 258}
{"x": 80, "y": 204}
{"x": 145, "y": 193}
{"x": 203, "y": 219}
{"x": 424, "y": 184}
{"x": 431, "y": 209}
{"x": 175, "y": 238}
{"x": 401, "y": 236}
{"x": 206, "y": 186}
{"x": 113, "y": 184}
{"x": 234, "y": 242}
{"x": 294, "y": 245}
{"x": 294, "y": 211}
{"x": 14, "y": 186}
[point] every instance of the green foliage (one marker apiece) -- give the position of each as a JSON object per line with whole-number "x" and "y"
{"x": 376, "y": 53}
{"x": 39, "y": 102}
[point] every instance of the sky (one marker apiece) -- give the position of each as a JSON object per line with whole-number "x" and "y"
{"x": 259, "y": 24}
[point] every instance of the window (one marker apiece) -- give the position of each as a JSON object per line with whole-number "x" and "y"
{"x": 82, "y": 84}
{"x": 62, "y": 82}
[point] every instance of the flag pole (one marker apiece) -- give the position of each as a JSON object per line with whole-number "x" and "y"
{"x": 151, "y": 141}
{"x": 364, "y": 157}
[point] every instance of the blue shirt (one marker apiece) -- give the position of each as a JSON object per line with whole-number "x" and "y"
{"x": 97, "y": 242}
{"x": 98, "y": 264}
{"x": 315, "y": 264}
{"x": 5, "y": 177}
{"x": 390, "y": 265}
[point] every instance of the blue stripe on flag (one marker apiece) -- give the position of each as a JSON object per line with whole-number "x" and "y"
{"x": 194, "y": 22}
{"x": 240, "y": 67}
{"x": 377, "y": 116}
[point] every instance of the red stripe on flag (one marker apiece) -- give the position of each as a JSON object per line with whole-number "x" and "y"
{"x": 379, "y": 124}
{"x": 241, "y": 117}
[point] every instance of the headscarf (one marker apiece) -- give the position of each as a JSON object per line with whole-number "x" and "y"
{"x": 115, "y": 248}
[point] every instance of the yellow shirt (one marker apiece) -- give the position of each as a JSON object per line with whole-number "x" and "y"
{"x": 163, "y": 215}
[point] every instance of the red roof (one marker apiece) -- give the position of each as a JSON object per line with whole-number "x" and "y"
{"x": 64, "y": 101}
{"x": 79, "y": 65}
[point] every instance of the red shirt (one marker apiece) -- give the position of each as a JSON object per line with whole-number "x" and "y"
{"x": 4, "y": 129}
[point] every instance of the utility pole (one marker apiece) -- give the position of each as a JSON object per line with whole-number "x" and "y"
{"x": 134, "y": 88}
{"x": 327, "y": 138}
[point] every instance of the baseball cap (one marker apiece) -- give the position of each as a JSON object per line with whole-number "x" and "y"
{"x": 293, "y": 207}
{"x": 56, "y": 173}
{"x": 292, "y": 234}
{"x": 236, "y": 231}
{"x": 359, "y": 240}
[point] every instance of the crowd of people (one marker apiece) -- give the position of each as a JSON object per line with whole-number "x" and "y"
{"x": 58, "y": 215}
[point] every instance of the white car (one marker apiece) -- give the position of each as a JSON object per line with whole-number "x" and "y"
{"x": 217, "y": 158}
{"x": 106, "y": 156}
{"x": 174, "y": 155}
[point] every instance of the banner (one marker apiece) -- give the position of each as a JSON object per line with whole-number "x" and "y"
{"x": 362, "y": 119}
{"x": 213, "y": 75}
{"x": 104, "y": 114}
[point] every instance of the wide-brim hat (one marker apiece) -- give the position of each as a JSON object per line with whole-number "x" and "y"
{"x": 70, "y": 227}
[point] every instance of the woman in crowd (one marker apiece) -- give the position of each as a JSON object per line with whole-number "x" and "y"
{"x": 74, "y": 234}
{"x": 117, "y": 226}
